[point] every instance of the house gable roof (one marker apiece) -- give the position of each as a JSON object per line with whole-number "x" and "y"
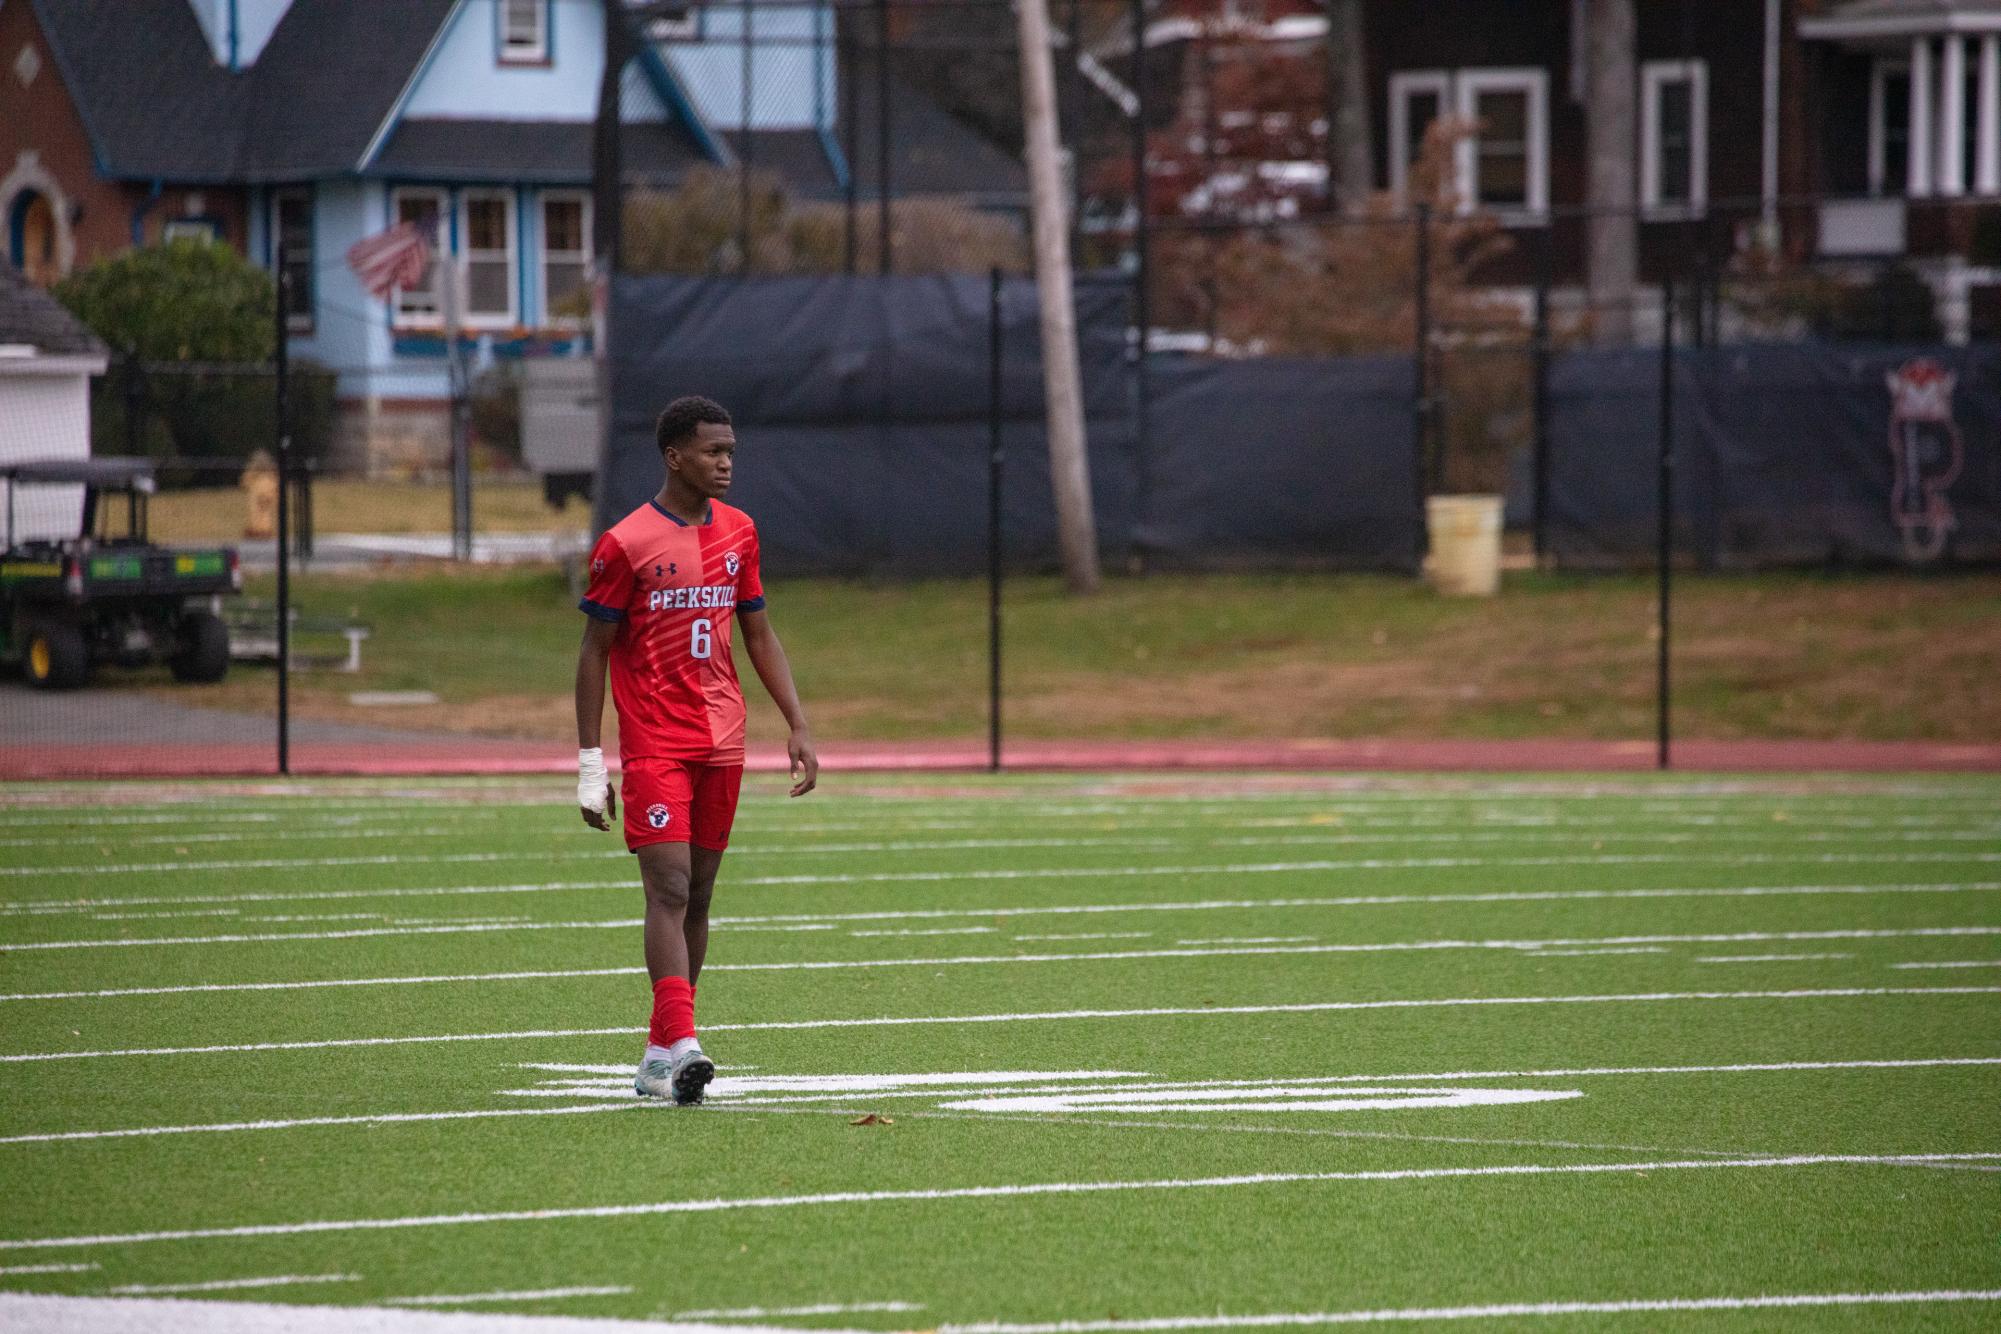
{"x": 324, "y": 99}
{"x": 31, "y": 316}
{"x": 151, "y": 97}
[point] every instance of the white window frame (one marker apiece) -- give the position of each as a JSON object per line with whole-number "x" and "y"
{"x": 1468, "y": 84}
{"x": 1655, "y": 76}
{"x": 207, "y": 230}
{"x": 533, "y": 52}
{"x": 297, "y": 322}
{"x": 683, "y": 27}
{"x": 400, "y": 316}
{"x": 1403, "y": 85}
{"x": 1880, "y": 70}
{"x": 542, "y": 295}
{"x": 511, "y": 254}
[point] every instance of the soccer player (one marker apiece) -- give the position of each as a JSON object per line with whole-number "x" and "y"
{"x": 665, "y": 583}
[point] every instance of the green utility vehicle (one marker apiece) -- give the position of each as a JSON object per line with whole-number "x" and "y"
{"x": 106, "y": 595}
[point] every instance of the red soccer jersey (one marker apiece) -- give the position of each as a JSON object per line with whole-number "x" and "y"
{"x": 672, "y": 587}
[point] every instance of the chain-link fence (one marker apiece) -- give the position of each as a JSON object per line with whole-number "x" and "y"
{"x": 1757, "y": 477}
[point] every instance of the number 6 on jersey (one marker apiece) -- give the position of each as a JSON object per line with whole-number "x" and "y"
{"x": 699, "y": 640}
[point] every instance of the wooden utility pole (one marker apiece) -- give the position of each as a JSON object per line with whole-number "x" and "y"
{"x": 1612, "y": 131}
{"x": 1351, "y": 171}
{"x": 1069, "y": 468}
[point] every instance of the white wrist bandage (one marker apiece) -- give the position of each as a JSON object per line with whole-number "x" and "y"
{"x": 593, "y": 786}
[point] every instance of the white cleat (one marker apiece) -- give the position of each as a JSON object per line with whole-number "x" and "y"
{"x": 682, "y": 1078}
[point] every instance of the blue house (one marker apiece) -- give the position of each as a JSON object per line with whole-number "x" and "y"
{"x": 322, "y": 122}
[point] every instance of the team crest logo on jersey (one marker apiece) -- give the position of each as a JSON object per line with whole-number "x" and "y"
{"x": 731, "y": 563}
{"x": 1927, "y": 455}
{"x": 657, "y": 816}
{"x": 597, "y": 566}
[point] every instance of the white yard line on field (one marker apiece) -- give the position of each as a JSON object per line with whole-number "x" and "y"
{"x": 1577, "y": 944}
{"x": 640, "y": 1105}
{"x": 1490, "y": 1311}
{"x": 933, "y": 931}
{"x": 1031, "y": 1016}
{"x": 1578, "y": 954}
{"x": 228, "y": 1284}
{"x": 525, "y": 1295}
{"x": 1008, "y": 1191}
{"x": 73, "y": 905}
{"x": 1533, "y": 948}
{"x": 49, "y": 1269}
{"x": 1361, "y": 864}
{"x": 1091, "y": 935}
{"x": 1765, "y": 958}
{"x": 186, "y": 1315}
{"x": 818, "y": 1308}
{"x": 1953, "y": 963}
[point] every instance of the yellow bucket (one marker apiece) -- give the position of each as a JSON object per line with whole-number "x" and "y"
{"x": 1465, "y": 558}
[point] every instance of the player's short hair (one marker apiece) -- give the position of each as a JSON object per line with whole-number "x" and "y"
{"x": 680, "y": 418}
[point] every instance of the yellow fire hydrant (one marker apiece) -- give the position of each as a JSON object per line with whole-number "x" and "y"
{"x": 260, "y": 496}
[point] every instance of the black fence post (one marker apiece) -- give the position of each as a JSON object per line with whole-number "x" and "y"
{"x": 847, "y": 69}
{"x": 746, "y": 152}
{"x": 283, "y": 423}
{"x": 1539, "y": 519}
{"x": 995, "y": 407}
{"x": 884, "y": 242}
{"x": 135, "y": 402}
{"x": 1421, "y": 396}
{"x": 1663, "y": 555}
{"x": 1142, "y": 298}
{"x": 302, "y": 514}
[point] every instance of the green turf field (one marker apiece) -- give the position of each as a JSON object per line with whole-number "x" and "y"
{"x": 1146, "y": 1053}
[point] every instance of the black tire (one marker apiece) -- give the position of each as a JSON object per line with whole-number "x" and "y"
{"x": 204, "y": 653}
{"x": 57, "y": 658}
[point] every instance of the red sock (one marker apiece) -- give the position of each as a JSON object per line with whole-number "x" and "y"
{"x": 673, "y": 1012}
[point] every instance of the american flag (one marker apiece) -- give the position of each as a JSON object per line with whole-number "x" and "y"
{"x": 391, "y": 259}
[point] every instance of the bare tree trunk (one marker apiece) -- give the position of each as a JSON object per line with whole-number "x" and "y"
{"x": 1350, "y": 163}
{"x": 1611, "y": 117}
{"x": 1069, "y": 468}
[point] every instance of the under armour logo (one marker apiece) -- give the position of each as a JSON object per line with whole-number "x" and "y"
{"x": 672, "y": 568}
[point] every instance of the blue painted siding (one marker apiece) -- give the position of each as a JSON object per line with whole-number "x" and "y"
{"x": 466, "y": 78}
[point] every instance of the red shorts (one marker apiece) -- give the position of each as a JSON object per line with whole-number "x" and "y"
{"x": 679, "y": 801}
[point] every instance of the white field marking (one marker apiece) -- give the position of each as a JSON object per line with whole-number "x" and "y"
{"x": 1249, "y": 940}
{"x": 391, "y": 1118}
{"x": 1030, "y": 1016}
{"x": 49, "y": 1269}
{"x": 197, "y": 912}
{"x": 1279, "y": 1098}
{"x": 1953, "y": 963}
{"x": 1092, "y": 935}
{"x": 227, "y": 1284}
{"x": 1491, "y": 1311}
{"x": 638, "y": 1105}
{"x": 302, "y": 826}
{"x": 1199, "y": 905}
{"x": 932, "y": 931}
{"x": 187, "y": 1315}
{"x": 1578, "y": 954}
{"x": 472, "y": 926}
{"x": 539, "y": 973}
{"x": 1367, "y": 863}
{"x": 728, "y": 1204}
{"x": 812, "y": 965}
{"x": 1765, "y": 958}
{"x": 1531, "y": 948}
{"x": 526, "y": 1295}
{"x": 1330, "y": 1132}
{"x": 818, "y": 1308}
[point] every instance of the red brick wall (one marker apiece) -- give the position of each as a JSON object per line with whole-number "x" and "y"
{"x": 42, "y": 120}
